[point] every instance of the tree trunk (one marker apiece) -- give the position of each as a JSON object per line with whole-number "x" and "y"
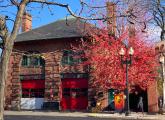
{"x": 5, "y": 62}
{"x": 8, "y": 46}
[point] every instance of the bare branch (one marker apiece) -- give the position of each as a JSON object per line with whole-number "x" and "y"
{"x": 7, "y": 18}
{"x": 4, "y": 6}
{"x": 14, "y": 2}
{"x": 89, "y": 6}
{"x": 70, "y": 11}
{"x": 21, "y": 9}
{"x": 65, "y": 6}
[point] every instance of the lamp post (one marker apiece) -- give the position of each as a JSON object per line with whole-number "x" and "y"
{"x": 161, "y": 60}
{"x": 127, "y": 62}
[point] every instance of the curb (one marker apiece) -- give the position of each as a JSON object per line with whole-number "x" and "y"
{"x": 123, "y": 117}
{"x": 115, "y": 116}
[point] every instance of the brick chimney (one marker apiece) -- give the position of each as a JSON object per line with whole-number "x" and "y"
{"x": 111, "y": 15}
{"x": 26, "y": 22}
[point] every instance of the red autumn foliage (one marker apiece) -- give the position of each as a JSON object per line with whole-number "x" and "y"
{"x": 105, "y": 61}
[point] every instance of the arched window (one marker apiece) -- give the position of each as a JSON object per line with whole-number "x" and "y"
{"x": 32, "y": 59}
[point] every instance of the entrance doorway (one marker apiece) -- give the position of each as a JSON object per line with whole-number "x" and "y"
{"x": 134, "y": 99}
{"x": 111, "y": 105}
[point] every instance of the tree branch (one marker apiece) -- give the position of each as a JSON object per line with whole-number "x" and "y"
{"x": 14, "y": 2}
{"x": 89, "y": 6}
{"x": 21, "y": 9}
{"x": 67, "y": 7}
{"x": 70, "y": 11}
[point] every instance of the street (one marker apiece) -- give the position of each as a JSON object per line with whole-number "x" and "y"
{"x": 54, "y": 118}
{"x": 48, "y": 115}
{"x": 11, "y": 117}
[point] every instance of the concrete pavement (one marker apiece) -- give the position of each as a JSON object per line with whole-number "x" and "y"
{"x": 132, "y": 116}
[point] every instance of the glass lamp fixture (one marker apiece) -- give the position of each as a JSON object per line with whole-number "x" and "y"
{"x": 131, "y": 51}
{"x": 121, "y": 52}
{"x": 161, "y": 59}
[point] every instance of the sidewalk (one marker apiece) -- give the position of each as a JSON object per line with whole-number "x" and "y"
{"x": 132, "y": 116}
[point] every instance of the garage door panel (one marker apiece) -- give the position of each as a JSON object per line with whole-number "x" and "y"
{"x": 66, "y": 104}
{"x": 31, "y": 103}
{"x": 32, "y": 94}
{"x": 33, "y": 84}
{"x": 74, "y": 83}
{"x": 74, "y": 94}
{"x": 79, "y": 104}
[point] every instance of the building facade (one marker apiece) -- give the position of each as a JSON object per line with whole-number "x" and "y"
{"x": 44, "y": 74}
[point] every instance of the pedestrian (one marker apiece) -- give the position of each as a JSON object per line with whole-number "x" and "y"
{"x": 140, "y": 104}
{"x": 160, "y": 104}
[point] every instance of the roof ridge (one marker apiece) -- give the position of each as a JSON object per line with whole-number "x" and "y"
{"x": 62, "y": 19}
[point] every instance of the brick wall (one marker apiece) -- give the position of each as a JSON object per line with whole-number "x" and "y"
{"x": 52, "y": 52}
{"x": 52, "y": 76}
{"x": 152, "y": 97}
{"x": 13, "y": 85}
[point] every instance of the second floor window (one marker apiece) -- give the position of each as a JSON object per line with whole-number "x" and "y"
{"x": 71, "y": 57}
{"x": 32, "y": 61}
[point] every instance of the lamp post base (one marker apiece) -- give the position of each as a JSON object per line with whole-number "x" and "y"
{"x": 161, "y": 110}
{"x": 127, "y": 113}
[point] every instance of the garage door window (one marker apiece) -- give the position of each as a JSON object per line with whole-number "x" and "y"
{"x": 66, "y": 92}
{"x": 32, "y": 93}
{"x": 75, "y": 92}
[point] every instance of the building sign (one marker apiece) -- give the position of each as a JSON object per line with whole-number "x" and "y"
{"x": 119, "y": 101}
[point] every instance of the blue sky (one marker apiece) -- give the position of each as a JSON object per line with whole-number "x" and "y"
{"x": 47, "y": 15}
{"x": 42, "y": 15}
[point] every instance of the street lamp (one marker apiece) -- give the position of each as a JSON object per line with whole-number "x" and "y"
{"x": 161, "y": 60}
{"x": 127, "y": 61}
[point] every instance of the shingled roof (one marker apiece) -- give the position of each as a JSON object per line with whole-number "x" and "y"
{"x": 63, "y": 28}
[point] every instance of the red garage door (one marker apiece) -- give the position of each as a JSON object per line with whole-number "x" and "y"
{"x": 33, "y": 88}
{"x": 74, "y": 94}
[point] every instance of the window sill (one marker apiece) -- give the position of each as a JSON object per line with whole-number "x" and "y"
{"x": 31, "y": 66}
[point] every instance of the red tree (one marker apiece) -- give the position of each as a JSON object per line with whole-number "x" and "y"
{"x": 106, "y": 69}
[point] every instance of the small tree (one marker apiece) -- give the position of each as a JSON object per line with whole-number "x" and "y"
{"x": 8, "y": 38}
{"x": 106, "y": 69}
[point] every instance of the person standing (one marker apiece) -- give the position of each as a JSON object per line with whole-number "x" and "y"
{"x": 140, "y": 104}
{"x": 160, "y": 104}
